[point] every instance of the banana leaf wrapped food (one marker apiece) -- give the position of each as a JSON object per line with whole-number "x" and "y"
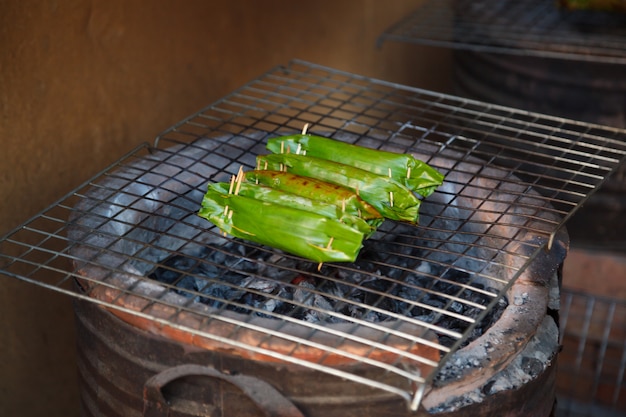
{"x": 316, "y": 190}
{"x": 276, "y": 196}
{"x": 392, "y": 199}
{"x": 404, "y": 168}
{"x": 300, "y": 232}
{"x": 319, "y": 198}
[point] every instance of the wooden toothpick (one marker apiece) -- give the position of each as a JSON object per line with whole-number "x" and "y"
{"x": 232, "y": 184}
{"x": 239, "y": 180}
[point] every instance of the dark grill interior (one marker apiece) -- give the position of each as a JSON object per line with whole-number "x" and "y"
{"x": 419, "y": 292}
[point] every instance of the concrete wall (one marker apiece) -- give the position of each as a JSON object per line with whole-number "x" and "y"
{"x": 82, "y": 82}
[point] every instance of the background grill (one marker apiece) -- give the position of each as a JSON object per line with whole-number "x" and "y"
{"x": 533, "y": 28}
{"x": 592, "y": 364}
{"x": 557, "y": 164}
{"x": 530, "y": 55}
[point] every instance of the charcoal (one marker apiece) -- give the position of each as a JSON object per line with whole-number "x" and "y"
{"x": 187, "y": 285}
{"x": 247, "y": 280}
{"x": 371, "y": 317}
{"x": 305, "y": 296}
{"x": 456, "y": 307}
{"x": 218, "y": 291}
{"x": 259, "y": 284}
{"x": 174, "y": 272}
{"x": 172, "y": 269}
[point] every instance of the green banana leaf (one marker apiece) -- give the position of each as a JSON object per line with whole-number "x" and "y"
{"x": 391, "y": 198}
{"x": 271, "y": 195}
{"x": 404, "y": 168}
{"x": 306, "y": 234}
{"x": 317, "y": 190}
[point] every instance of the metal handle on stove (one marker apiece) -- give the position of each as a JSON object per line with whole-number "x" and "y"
{"x": 271, "y": 402}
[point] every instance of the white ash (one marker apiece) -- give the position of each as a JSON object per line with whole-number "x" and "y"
{"x": 520, "y": 300}
{"x": 532, "y": 361}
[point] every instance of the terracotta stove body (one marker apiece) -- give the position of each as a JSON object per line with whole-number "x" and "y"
{"x": 126, "y": 371}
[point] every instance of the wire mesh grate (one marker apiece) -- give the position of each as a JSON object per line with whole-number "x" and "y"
{"x": 129, "y": 238}
{"x": 592, "y": 364}
{"x": 536, "y": 28}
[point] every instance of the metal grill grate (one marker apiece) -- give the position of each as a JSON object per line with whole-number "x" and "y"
{"x": 536, "y": 28}
{"x": 512, "y": 179}
{"x": 592, "y": 364}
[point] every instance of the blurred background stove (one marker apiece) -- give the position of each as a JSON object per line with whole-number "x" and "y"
{"x": 537, "y": 56}
{"x": 565, "y": 59}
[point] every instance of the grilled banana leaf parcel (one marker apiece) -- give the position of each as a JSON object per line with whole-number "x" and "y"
{"x": 299, "y": 232}
{"x": 392, "y": 199}
{"x": 317, "y": 190}
{"x": 271, "y": 195}
{"x": 404, "y": 168}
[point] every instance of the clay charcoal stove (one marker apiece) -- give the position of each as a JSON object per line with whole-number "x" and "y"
{"x": 455, "y": 316}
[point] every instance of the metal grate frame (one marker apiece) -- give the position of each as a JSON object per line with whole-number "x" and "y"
{"x": 535, "y": 28}
{"x": 592, "y": 363}
{"x": 557, "y": 163}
